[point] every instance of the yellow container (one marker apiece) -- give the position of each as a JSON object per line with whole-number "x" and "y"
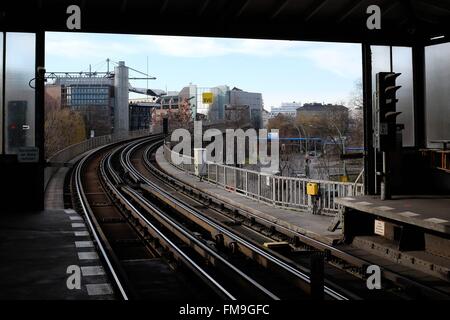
{"x": 312, "y": 189}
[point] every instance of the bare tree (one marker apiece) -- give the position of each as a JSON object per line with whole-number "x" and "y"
{"x": 356, "y": 125}
{"x": 356, "y": 97}
{"x": 63, "y": 127}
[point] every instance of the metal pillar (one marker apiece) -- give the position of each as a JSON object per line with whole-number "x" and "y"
{"x": 418, "y": 61}
{"x": 369, "y": 154}
{"x": 40, "y": 116}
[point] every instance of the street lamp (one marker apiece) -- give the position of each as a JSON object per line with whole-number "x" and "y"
{"x": 342, "y": 138}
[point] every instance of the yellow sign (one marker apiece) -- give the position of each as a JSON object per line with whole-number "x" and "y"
{"x": 312, "y": 189}
{"x": 207, "y": 97}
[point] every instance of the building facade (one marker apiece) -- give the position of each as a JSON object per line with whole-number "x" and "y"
{"x": 286, "y": 108}
{"x": 321, "y": 110}
{"x": 140, "y": 113}
{"x": 102, "y": 99}
{"x": 92, "y": 96}
{"x": 253, "y": 100}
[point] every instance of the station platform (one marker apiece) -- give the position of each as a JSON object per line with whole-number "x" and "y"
{"x": 413, "y": 231}
{"x": 428, "y": 212}
{"x": 313, "y": 226}
{"x": 37, "y": 248}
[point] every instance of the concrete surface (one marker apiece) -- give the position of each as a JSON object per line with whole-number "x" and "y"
{"x": 37, "y": 248}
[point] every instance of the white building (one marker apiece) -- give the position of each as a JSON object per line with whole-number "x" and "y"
{"x": 223, "y": 96}
{"x": 286, "y": 108}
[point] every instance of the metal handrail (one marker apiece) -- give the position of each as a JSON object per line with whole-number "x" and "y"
{"x": 286, "y": 192}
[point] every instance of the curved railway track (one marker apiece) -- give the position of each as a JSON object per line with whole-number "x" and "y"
{"x": 398, "y": 286}
{"x": 100, "y": 187}
{"x": 223, "y": 237}
{"x": 129, "y": 247}
{"x": 149, "y": 225}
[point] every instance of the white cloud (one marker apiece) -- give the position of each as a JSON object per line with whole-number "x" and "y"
{"x": 76, "y": 45}
{"x": 194, "y": 47}
{"x": 341, "y": 59}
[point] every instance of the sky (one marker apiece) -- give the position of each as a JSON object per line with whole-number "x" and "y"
{"x": 283, "y": 71}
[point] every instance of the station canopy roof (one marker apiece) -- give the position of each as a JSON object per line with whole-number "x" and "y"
{"x": 402, "y": 21}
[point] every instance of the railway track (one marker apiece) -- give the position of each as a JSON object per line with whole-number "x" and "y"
{"x": 222, "y": 236}
{"x": 131, "y": 234}
{"x": 149, "y": 225}
{"x": 134, "y": 251}
{"x": 397, "y": 285}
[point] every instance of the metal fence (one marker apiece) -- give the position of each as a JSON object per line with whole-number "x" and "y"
{"x": 65, "y": 155}
{"x": 287, "y": 192}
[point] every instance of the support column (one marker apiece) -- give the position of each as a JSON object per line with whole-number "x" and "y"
{"x": 418, "y": 62}
{"x": 369, "y": 154}
{"x": 40, "y": 114}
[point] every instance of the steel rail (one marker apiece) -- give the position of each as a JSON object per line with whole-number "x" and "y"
{"x": 335, "y": 252}
{"x": 182, "y": 254}
{"x": 125, "y": 159}
{"x": 87, "y": 213}
{"x": 175, "y": 226}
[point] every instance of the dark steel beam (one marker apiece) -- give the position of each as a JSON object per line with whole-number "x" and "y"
{"x": 408, "y": 9}
{"x": 202, "y": 8}
{"x": 369, "y": 153}
{"x": 418, "y": 61}
{"x": 313, "y": 10}
{"x": 391, "y": 5}
{"x": 279, "y": 8}
{"x": 348, "y": 10}
{"x": 40, "y": 116}
{"x": 3, "y": 112}
{"x": 242, "y": 9}
{"x": 438, "y": 5}
{"x": 123, "y": 6}
{"x": 164, "y": 6}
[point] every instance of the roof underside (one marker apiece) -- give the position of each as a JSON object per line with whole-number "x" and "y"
{"x": 402, "y": 21}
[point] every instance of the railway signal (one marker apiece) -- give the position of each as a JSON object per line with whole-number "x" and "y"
{"x": 387, "y": 114}
{"x": 386, "y": 128}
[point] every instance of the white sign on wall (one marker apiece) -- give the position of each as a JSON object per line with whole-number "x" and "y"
{"x": 28, "y": 154}
{"x": 379, "y": 227}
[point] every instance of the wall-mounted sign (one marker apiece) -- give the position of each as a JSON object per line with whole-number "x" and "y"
{"x": 379, "y": 227}
{"x": 207, "y": 97}
{"x": 28, "y": 154}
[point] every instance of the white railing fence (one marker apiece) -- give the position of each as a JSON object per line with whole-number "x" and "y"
{"x": 287, "y": 192}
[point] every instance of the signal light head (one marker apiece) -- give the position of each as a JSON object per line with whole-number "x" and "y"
{"x": 391, "y": 76}
{"x": 391, "y": 89}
